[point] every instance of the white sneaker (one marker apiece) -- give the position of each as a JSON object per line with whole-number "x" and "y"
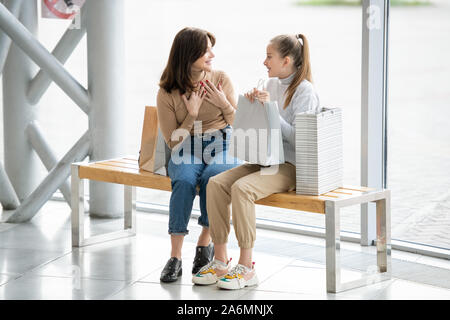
{"x": 239, "y": 277}
{"x": 211, "y": 273}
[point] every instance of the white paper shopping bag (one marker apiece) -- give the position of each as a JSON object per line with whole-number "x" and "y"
{"x": 256, "y": 136}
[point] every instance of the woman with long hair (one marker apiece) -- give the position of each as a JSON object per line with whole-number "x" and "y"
{"x": 196, "y": 106}
{"x": 290, "y": 86}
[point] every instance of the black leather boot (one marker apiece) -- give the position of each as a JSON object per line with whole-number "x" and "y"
{"x": 172, "y": 270}
{"x": 203, "y": 256}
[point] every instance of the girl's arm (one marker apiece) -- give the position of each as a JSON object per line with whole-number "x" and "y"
{"x": 303, "y": 101}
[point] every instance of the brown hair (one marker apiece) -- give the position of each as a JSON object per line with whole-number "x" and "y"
{"x": 189, "y": 45}
{"x": 290, "y": 45}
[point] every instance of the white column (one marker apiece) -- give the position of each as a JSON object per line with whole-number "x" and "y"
{"x": 106, "y": 71}
{"x": 375, "y": 23}
{"x": 21, "y": 163}
{"x": 5, "y": 42}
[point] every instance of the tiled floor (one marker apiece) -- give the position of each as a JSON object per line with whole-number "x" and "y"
{"x": 38, "y": 262}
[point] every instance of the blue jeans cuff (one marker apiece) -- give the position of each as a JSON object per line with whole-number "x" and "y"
{"x": 203, "y": 224}
{"x": 180, "y": 233}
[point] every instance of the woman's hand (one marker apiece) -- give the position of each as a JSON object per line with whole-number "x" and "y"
{"x": 215, "y": 95}
{"x": 260, "y": 95}
{"x": 194, "y": 102}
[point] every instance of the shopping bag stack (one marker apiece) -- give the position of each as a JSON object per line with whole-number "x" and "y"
{"x": 319, "y": 153}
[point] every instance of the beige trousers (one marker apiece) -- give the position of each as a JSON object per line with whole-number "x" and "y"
{"x": 240, "y": 187}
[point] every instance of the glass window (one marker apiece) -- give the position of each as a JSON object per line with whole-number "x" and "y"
{"x": 419, "y": 124}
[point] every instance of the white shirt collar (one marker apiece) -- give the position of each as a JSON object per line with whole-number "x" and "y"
{"x": 287, "y": 81}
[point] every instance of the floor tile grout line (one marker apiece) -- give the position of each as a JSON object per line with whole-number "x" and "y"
{"x": 10, "y": 280}
{"x": 125, "y": 285}
{"x": 133, "y": 282}
{"x": 82, "y": 278}
{"x": 137, "y": 281}
{"x": 109, "y": 296}
{"x": 278, "y": 270}
{"x": 376, "y": 296}
{"x": 41, "y": 265}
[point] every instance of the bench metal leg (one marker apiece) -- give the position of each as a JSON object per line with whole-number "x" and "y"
{"x": 77, "y": 217}
{"x": 78, "y": 239}
{"x": 332, "y": 224}
{"x": 130, "y": 208}
{"x": 384, "y": 235}
{"x": 333, "y": 245}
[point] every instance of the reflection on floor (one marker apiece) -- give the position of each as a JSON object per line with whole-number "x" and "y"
{"x": 38, "y": 262}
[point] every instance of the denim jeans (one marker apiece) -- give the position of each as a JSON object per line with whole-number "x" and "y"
{"x": 191, "y": 165}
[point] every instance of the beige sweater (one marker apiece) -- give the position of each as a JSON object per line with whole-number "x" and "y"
{"x": 173, "y": 115}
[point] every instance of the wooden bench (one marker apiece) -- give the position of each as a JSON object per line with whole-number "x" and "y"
{"x": 126, "y": 171}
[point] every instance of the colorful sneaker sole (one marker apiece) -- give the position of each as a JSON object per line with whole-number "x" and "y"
{"x": 236, "y": 284}
{"x": 206, "y": 279}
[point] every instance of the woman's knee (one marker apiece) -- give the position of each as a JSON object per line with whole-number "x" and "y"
{"x": 184, "y": 185}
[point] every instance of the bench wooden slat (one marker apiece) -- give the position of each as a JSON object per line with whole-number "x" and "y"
{"x": 119, "y": 164}
{"x": 129, "y": 161}
{"x": 340, "y": 192}
{"x": 343, "y": 195}
{"x": 356, "y": 188}
{"x": 335, "y": 196}
{"x": 126, "y": 171}
{"x": 126, "y": 176}
{"x": 291, "y": 200}
{"x": 117, "y": 168}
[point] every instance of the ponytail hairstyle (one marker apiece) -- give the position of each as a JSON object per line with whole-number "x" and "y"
{"x": 296, "y": 47}
{"x": 189, "y": 45}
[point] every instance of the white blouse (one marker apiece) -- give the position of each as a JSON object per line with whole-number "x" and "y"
{"x": 305, "y": 99}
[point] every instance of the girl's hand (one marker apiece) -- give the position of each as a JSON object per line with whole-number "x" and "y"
{"x": 194, "y": 102}
{"x": 215, "y": 95}
{"x": 251, "y": 95}
{"x": 260, "y": 95}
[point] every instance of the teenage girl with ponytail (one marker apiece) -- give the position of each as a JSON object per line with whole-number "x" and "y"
{"x": 290, "y": 86}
